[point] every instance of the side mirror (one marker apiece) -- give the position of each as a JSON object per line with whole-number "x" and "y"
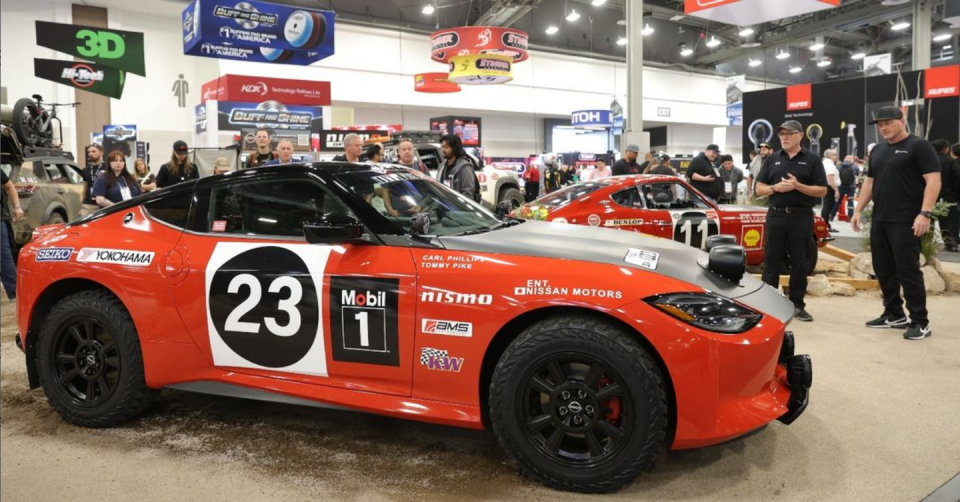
{"x": 729, "y": 262}
{"x": 420, "y": 224}
{"x": 505, "y": 207}
{"x": 333, "y": 228}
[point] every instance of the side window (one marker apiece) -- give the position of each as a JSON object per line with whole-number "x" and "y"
{"x": 173, "y": 210}
{"x": 271, "y": 207}
{"x": 429, "y": 157}
{"x": 629, "y": 198}
{"x": 671, "y": 195}
{"x": 71, "y": 174}
{"x": 54, "y": 174}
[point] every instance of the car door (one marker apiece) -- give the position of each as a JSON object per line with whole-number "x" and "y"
{"x": 630, "y": 212}
{"x": 73, "y": 189}
{"x": 692, "y": 219}
{"x": 257, "y": 298}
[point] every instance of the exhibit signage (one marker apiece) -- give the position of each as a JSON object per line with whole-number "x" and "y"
{"x": 735, "y": 86}
{"x": 333, "y": 140}
{"x": 799, "y": 97}
{"x": 475, "y": 69}
{"x": 478, "y": 40}
{"x": 120, "y": 132}
{"x": 591, "y": 118}
{"x": 121, "y": 50}
{"x": 258, "y": 89}
{"x": 257, "y": 31}
{"x": 200, "y": 118}
{"x": 941, "y": 82}
{"x": 434, "y": 82}
{"x": 747, "y": 12}
{"x": 467, "y": 128}
{"x": 91, "y": 77}
{"x": 234, "y": 116}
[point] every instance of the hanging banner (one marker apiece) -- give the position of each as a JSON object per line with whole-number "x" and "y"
{"x": 735, "y": 86}
{"x": 121, "y": 50}
{"x": 746, "y": 12}
{"x": 121, "y": 132}
{"x": 333, "y": 140}
{"x": 478, "y": 40}
{"x": 480, "y": 70}
{"x": 434, "y": 82}
{"x": 257, "y": 31}
{"x": 234, "y": 116}
{"x": 92, "y": 77}
{"x": 591, "y": 118}
{"x": 878, "y": 64}
{"x": 259, "y": 89}
{"x": 941, "y": 82}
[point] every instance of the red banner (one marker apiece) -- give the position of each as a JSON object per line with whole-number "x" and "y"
{"x": 691, "y": 6}
{"x": 434, "y": 82}
{"x": 478, "y": 40}
{"x": 259, "y": 89}
{"x": 941, "y": 82}
{"x": 799, "y": 97}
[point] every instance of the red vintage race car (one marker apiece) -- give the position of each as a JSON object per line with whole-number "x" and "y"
{"x": 584, "y": 349}
{"x": 664, "y": 206}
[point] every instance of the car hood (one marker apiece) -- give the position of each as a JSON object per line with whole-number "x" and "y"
{"x": 599, "y": 245}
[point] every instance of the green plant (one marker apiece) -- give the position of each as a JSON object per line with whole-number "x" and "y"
{"x": 930, "y": 242}
{"x": 531, "y": 213}
{"x": 865, "y": 219}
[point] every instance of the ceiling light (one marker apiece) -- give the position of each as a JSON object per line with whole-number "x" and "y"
{"x": 647, "y": 30}
{"x": 795, "y": 69}
{"x": 573, "y": 15}
{"x": 823, "y": 62}
{"x": 746, "y": 32}
{"x": 942, "y": 37}
{"x": 858, "y": 55}
{"x": 947, "y": 47}
{"x": 621, "y": 40}
{"x": 428, "y": 9}
{"x": 676, "y": 17}
{"x": 713, "y": 42}
{"x": 598, "y": 3}
{"x": 755, "y": 62}
{"x": 551, "y": 30}
{"x": 685, "y": 51}
{"x": 816, "y": 46}
{"x": 902, "y": 25}
{"x": 750, "y": 45}
{"x": 782, "y": 54}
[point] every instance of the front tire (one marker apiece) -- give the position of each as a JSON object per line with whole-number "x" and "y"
{"x": 89, "y": 361}
{"x": 579, "y": 404}
{"x": 513, "y": 195}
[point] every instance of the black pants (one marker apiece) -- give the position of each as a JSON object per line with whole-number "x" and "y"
{"x": 531, "y": 190}
{"x": 896, "y": 262}
{"x": 827, "y": 210}
{"x": 788, "y": 232}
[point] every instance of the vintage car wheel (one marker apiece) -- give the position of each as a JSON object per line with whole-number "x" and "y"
{"x": 89, "y": 361}
{"x": 513, "y": 195}
{"x": 579, "y": 404}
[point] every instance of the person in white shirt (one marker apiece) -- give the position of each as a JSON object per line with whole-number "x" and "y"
{"x": 599, "y": 172}
{"x": 830, "y": 159}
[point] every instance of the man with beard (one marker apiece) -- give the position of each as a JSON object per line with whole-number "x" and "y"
{"x": 754, "y": 169}
{"x": 89, "y": 173}
{"x": 704, "y": 176}
{"x": 628, "y": 164}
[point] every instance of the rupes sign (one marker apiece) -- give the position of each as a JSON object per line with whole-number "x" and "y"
{"x": 941, "y": 82}
{"x": 799, "y": 97}
{"x": 592, "y": 118}
{"x": 257, "y": 89}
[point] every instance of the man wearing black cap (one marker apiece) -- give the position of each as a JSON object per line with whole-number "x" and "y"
{"x": 794, "y": 180}
{"x": 704, "y": 176}
{"x": 903, "y": 181}
{"x": 628, "y": 164}
{"x": 179, "y": 169}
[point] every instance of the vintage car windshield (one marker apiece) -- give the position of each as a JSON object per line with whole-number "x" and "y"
{"x": 399, "y": 194}
{"x": 564, "y": 196}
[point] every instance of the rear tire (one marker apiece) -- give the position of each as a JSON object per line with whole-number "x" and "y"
{"x": 89, "y": 361}
{"x": 578, "y": 404}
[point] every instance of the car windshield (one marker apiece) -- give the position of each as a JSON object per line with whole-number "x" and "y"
{"x": 569, "y": 194}
{"x": 399, "y": 194}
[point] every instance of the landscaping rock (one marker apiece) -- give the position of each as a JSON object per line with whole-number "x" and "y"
{"x": 932, "y": 280}
{"x": 951, "y": 280}
{"x": 819, "y": 285}
{"x": 824, "y": 266}
{"x": 856, "y": 274}
{"x": 864, "y": 263}
{"x": 843, "y": 289}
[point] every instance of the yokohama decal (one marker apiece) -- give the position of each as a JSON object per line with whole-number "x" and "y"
{"x": 115, "y": 256}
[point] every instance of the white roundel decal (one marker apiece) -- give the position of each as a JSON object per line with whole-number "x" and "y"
{"x": 264, "y": 309}
{"x": 593, "y": 220}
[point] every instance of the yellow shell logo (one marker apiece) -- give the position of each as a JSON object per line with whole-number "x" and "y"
{"x": 751, "y": 238}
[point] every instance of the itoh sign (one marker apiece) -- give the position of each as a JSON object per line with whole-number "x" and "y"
{"x": 745, "y": 12}
{"x": 591, "y": 118}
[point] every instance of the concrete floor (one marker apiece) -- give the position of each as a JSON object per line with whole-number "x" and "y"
{"x": 883, "y": 424}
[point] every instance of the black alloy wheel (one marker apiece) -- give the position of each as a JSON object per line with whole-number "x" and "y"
{"x": 87, "y": 361}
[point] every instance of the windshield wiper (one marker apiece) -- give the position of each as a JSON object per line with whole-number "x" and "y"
{"x": 475, "y": 231}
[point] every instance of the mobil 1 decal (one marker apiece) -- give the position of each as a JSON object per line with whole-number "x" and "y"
{"x": 264, "y": 309}
{"x": 363, "y": 320}
{"x": 693, "y": 227}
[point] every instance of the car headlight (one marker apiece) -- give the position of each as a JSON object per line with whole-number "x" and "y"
{"x": 708, "y": 311}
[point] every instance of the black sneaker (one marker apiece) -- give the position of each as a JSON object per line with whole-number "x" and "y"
{"x": 889, "y": 321}
{"x": 917, "y": 332}
{"x": 802, "y": 315}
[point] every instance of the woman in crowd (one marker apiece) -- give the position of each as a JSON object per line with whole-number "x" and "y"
{"x": 179, "y": 169}
{"x": 116, "y": 184}
{"x": 141, "y": 171}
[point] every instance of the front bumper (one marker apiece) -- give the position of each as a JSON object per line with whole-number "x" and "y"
{"x": 799, "y": 376}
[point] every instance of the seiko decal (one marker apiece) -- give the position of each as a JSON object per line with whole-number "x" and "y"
{"x": 449, "y": 328}
{"x": 642, "y": 258}
{"x": 444, "y": 296}
{"x": 264, "y": 309}
{"x": 54, "y": 254}
{"x": 440, "y": 360}
{"x": 115, "y": 256}
{"x": 543, "y": 287}
{"x": 364, "y": 326}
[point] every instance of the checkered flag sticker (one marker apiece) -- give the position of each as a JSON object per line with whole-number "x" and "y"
{"x": 427, "y": 353}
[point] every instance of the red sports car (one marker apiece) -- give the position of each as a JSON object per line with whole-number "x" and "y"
{"x": 584, "y": 349}
{"x": 664, "y": 206}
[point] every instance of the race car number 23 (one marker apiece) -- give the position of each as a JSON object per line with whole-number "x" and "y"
{"x": 263, "y": 307}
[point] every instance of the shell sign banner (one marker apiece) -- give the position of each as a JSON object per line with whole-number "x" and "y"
{"x": 744, "y": 12}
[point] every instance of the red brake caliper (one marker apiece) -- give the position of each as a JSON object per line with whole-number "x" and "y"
{"x": 612, "y": 407}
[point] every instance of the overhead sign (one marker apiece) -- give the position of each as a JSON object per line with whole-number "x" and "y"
{"x": 746, "y": 12}
{"x": 120, "y": 132}
{"x": 591, "y": 118}
{"x": 259, "y": 89}
{"x": 941, "y": 82}
{"x": 478, "y": 40}
{"x": 90, "y": 77}
{"x": 121, "y": 50}
{"x": 434, "y": 82}
{"x": 333, "y": 140}
{"x": 234, "y": 116}
{"x": 474, "y": 69}
{"x": 735, "y": 86}
{"x": 257, "y": 31}
{"x": 799, "y": 97}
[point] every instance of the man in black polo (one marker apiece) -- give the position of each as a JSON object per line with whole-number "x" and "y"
{"x": 704, "y": 176}
{"x": 794, "y": 180}
{"x": 628, "y": 164}
{"x": 903, "y": 181}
